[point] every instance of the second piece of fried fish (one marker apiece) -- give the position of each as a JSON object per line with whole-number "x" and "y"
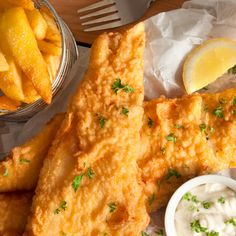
{"x": 90, "y": 183}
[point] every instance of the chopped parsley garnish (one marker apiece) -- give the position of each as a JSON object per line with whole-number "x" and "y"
{"x": 163, "y": 150}
{"x": 151, "y": 199}
{"x": 222, "y": 101}
{"x": 117, "y": 85}
{"x": 62, "y": 206}
{"x": 77, "y": 181}
{"x": 112, "y": 207}
{"x": 102, "y": 120}
{"x": 150, "y": 122}
{"x": 221, "y": 200}
{"x": 90, "y": 173}
{"x": 207, "y": 205}
{"x": 172, "y": 173}
{"x": 22, "y": 161}
{"x": 231, "y": 221}
{"x": 171, "y": 137}
{"x": 218, "y": 112}
{"x": 206, "y": 109}
{"x": 178, "y": 126}
{"x": 232, "y": 70}
{"x": 234, "y": 101}
{"x": 189, "y": 197}
{"x": 125, "y": 111}
{"x": 144, "y": 233}
{"x": 212, "y": 233}
{"x": 5, "y": 174}
{"x": 234, "y": 112}
{"x": 194, "y": 199}
{"x": 196, "y": 227}
{"x": 160, "y": 232}
{"x": 202, "y": 128}
{"x": 193, "y": 208}
{"x": 211, "y": 129}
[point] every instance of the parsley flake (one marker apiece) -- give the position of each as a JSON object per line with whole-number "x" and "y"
{"x": 160, "y": 232}
{"x": 22, "y": 161}
{"x": 90, "y": 173}
{"x": 196, "y": 227}
{"x": 207, "y": 205}
{"x": 212, "y": 233}
{"x": 5, "y": 174}
{"x": 211, "y": 129}
{"x": 112, "y": 206}
{"x": 218, "y": 112}
{"x": 234, "y": 101}
{"x": 125, "y": 111}
{"x": 234, "y": 112}
{"x": 77, "y": 181}
{"x": 144, "y": 233}
{"x": 63, "y": 206}
{"x": 102, "y": 121}
{"x": 171, "y": 137}
{"x": 150, "y": 122}
{"x": 117, "y": 85}
{"x": 221, "y": 200}
{"x": 222, "y": 101}
{"x": 178, "y": 126}
{"x": 187, "y": 196}
{"x": 151, "y": 199}
{"x": 206, "y": 109}
{"x": 231, "y": 221}
{"x": 171, "y": 173}
{"x": 232, "y": 70}
{"x": 202, "y": 128}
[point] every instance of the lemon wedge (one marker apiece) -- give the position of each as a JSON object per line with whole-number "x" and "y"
{"x": 208, "y": 62}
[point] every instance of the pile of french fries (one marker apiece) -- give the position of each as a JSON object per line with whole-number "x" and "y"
{"x": 30, "y": 53}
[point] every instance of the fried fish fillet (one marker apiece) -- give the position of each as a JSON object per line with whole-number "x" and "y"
{"x": 183, "y": 138}
{"x": 90, "y": 182}
{"x": 14, "y": 211}
{"x": 21, "y": 169}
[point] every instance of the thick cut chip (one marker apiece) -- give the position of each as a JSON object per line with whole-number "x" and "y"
{"x": 3, "y": 63}
{"x": 21, "y": 169}
{"x": 19, "y": 37}
{"x": 49, "y": 48}
{"x": 11, "y": 82}
{"x": 53, "y": 63}
{"x": 8, "y": 104}
{"x": 26, "y": 4}
{"x": 14, "y": 210}
{"x": 37, "y": 23}
{"x": 90, "y": 183}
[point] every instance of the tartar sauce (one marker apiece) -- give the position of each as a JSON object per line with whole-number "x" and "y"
{"x": 207, "y": 210}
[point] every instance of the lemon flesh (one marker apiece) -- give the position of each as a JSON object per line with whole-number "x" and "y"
{"x": 208, "y": 62}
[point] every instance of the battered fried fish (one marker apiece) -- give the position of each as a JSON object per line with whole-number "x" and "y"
{"x": 14, "y": 211}
{"x": 183, "y": 138}
{"x": 21, "y": 169}
{"x": 90, "y": 184}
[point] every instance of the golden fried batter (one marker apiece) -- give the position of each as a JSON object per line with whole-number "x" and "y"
{"x": 14, "y": 211}
{"x": 90, "y": 184}
{"x": 21, "y": 169}
{"x": 182, "y": 139}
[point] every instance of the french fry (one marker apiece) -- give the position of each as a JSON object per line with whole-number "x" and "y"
{"x": 53, "y": 63}
{"x": 8, "y": 104}
{"x": 29, "y": 91}
{"x": 3, "y": 63}
{"x": 11, "y": 83}
{"x": 46, "y": 47}
{"x": 26, "y": 4}
{"x": 53, "y": 33}
{"x": 37, "y": 23}
{"x": 19, "y": 37}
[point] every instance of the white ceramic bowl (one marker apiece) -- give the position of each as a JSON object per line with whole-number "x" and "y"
{"x": 177, "y": 196}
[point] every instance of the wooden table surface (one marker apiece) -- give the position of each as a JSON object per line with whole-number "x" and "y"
{"x": 67, "y": 9}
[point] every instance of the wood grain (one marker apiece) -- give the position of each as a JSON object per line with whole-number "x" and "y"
{"x": 67, "y": 9}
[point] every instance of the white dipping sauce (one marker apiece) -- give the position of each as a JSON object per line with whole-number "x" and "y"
{"x": 207, "y": 210}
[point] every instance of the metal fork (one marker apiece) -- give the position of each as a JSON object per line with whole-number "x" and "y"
{"x": 106, "y": 14}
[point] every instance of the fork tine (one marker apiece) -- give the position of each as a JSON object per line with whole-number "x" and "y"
{"x": 100, "y": 12}
{"x": 96, "y": 5}
{"x": 104, "y": 26}
{"x": 104, "y": 19}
